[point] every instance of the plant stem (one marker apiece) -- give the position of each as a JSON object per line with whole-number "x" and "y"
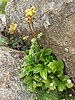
{"x": 31, "y": 30}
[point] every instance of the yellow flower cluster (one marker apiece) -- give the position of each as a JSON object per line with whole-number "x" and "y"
{"x": 29, "y": 13}
{"x": 12, "y": 28}
{"x": 25, "y": 37}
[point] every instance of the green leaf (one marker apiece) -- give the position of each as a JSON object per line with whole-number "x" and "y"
{"x": 34, "y": 42}
{"x": 39, "y": 35}
{"x": 52, "y": 86}
{"x": 49, "y": 70}
{"x": 59, "y": 72}
{"x": 34, "y": 85}
{"x": 37, "y": 68}
{"x": 27, "y": 69}
{"x": 30, "y": 86}
{"x": 39, "y": 84}
{"x": 64, "y": 78}
{"x": 46, "y": 52}
{"x": 28, "y": 60}
{"x": 2, "y": 40}
{"x": 42, "y": 59}
{"x": 37, "y": 78}
{"x": 60, "y": 64}
{"x": 33, "y": 50}
{"x": 47, "y": 82}
{"x": 61, "y": 86}
{"x": 53, "y": 66}
{"x": 27, "y": 79}
{"x": 43, "y": 73}
{"x": 69, "y": 84}
{"x": 49, "y": 59}
{"x": 22, "y": 75}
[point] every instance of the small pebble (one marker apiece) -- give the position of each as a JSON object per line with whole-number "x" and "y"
{"x": 66, "y": 50}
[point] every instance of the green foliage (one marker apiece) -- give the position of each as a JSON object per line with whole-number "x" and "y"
{"x": 42, "y": 69}
{"x": 55, "y": 95}
{"x": 2, "y": 6}
{"x": 44, "y": 95}
{"x": 16, "y": 42}
{"x": 2, "y": 40}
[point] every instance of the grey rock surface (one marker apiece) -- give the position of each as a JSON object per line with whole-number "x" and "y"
{"x": 2, "y": 22}
{"x": 11, "y": 87}
{"x": 56, "y": 19}
{"x": 3, "y": 43}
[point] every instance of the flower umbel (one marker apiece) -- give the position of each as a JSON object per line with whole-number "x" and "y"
{"x": 12, "y": 28}
{"x": 29, "y": 13}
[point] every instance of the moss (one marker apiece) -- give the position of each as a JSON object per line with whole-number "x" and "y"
{"x": 2, "y": 6}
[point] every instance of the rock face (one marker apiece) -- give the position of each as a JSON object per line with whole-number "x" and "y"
{"x": 2, "y": 22}
{"x": 56, "y": 19}
{"x": 11, "y": 88}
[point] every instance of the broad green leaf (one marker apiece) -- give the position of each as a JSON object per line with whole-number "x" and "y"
{"x": 52, "y": 66}
{"x": 39, "y": 84}
{"x": 43, "y": 73}
{"x": 47, "y": 82}
{"x": 59, "y": 72}
{"x": 42, "y": 59}
{"x": 34, "y": 42}
{"x": 43, "y": 87}
{"x": 56, "y": 80}
{"x": 30, "y": 86}
{"x": 27, "y": 79}
{"x": 27, "y": 69}
{"x": 49, "y": 59}
{"x": 52, "y": 86}
{"x": 28, "y": 60}
{"x": 37, "y": 78}
{"x": 34, "y": 85}
{"x": 22, "y": 75}
{"x": 37, "y": 68}
{"x": 69, "y": 84}
{"x": 60, "y": 64}
{"x": 49, "y": 70}
{"x": 33, "y": 50}
{"x": 27, "y": 52}
{"x": 46, "y": 52}
{"x": 64, "y": 78}
{"x": 61, "y": 86}
{"x": 47, "y": 85}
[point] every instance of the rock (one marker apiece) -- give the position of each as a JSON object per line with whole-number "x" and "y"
{"x": 11, "y": 87}
{"x": 56, "y": 19}
{"x": 2, "y": 22}
{"x": 4, "y": 43}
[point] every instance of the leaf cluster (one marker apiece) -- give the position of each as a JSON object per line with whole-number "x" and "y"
{"x": 2, "y": 40}
{"x": 16, "y": 42}
{"x": 41, "y": 69}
